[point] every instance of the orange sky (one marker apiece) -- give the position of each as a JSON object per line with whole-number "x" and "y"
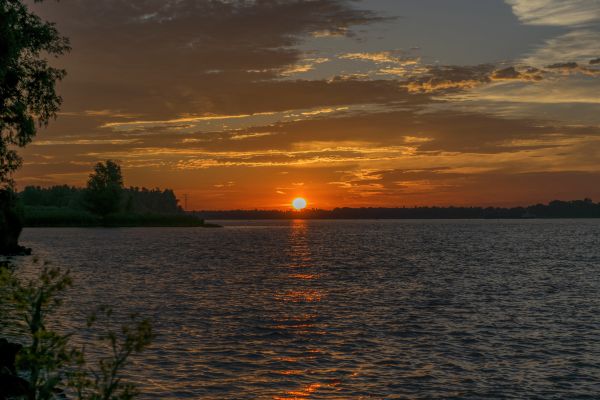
{"x": 371, "y": 103}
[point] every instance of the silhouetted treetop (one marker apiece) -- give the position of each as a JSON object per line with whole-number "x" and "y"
{"x": 104, "y": 188}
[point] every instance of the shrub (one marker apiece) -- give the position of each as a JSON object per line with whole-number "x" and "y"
{"x": 45, "y": 365}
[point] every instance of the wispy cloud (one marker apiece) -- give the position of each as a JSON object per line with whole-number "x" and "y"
{"x": 385, "y": 57}
{"x": 556, "y": 12}
{"x": 579, "y": 46}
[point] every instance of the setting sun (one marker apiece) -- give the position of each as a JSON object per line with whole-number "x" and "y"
{"x": 299, "y": 203}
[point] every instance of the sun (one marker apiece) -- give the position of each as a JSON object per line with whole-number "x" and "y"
{"x": 299, "y": 203}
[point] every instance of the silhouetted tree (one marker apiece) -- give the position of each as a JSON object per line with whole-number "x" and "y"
{"x": 28, "y": 97}
{"x": 104, "y": 189}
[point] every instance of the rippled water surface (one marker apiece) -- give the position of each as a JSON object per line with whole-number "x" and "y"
{"x": 350, "y": 309}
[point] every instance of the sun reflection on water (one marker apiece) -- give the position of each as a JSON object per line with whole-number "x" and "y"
{"x": 300, "y": 296}
{"x": 303, "y": 393}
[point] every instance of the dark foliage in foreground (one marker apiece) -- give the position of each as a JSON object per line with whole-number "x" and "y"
{"x": 40, "y": 363}
{"x": 555, "y": 209}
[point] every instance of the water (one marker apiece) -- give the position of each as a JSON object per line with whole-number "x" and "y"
{"x": 349, "y": 309}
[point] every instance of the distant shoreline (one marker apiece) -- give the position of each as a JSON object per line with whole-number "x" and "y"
{"x": 396, "y": 219}
{"x": 555, "y": 209}
{"x": 69, "y": 217}
{"x": 402, "y": 219}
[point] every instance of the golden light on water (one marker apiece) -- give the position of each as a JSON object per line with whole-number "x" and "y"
{"x": 299, "y": 203}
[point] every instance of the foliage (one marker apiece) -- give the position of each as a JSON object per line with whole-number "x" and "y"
{"x": 28, "y": 98}
{"x": 55, "y": 196}
{"x": 47, "y": 353}
{"x": 104, "y": 189}
{"x": 46, "y": 365}
{"x": 151, "y": 201}
{"x": 104, "y": 383}
{"x": 135, "y": 200}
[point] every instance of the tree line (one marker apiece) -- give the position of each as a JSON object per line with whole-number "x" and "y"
{"x": 585, "y": 208}
{"x": 104, "y": 194}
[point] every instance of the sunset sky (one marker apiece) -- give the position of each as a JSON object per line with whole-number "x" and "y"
{"x": 251, "y": 103}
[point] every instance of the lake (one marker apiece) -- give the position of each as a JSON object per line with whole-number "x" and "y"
{"x": 349, "y": 309}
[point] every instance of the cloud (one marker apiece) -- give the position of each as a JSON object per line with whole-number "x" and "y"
{"x": 578, "y": 46}
{"x": 568, "y": 52}
{"x": 512, "y": 73}
{"x": 85, "y": 142}
{"x": 574, "y": 90}
{"x": 166, "y": 58}
{"x": 572, "y": 67}
{"x": 441, "y": 78}
{"x": 305, "y": 65}
{"x": 250, "y": 135}
{"x": 382, "y": 57}
{"x": 556, "y": 12}
{"x": 444, "y": 186}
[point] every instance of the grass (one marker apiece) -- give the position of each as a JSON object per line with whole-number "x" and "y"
{"x": 67, "y": 217}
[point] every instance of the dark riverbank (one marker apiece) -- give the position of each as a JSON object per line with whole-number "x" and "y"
{"x": 57, "y": 217}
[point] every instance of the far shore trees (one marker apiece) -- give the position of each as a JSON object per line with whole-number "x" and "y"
{"x": 28, "y": 97}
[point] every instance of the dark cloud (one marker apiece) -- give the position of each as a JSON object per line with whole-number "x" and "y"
{"x": 452, "y": 77}
{"x": 173, "y": 57}
{"x": 455, "y": 78}
{"x": 440, "y": 186}
{"x": 573, "y": 67}
{"x": 219, "y": 95}
{"x": 507, "y": 73}
{"x": 510, "y": 73}
{"x": 564, "y": 65}
{"x": 442, "y": 131}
